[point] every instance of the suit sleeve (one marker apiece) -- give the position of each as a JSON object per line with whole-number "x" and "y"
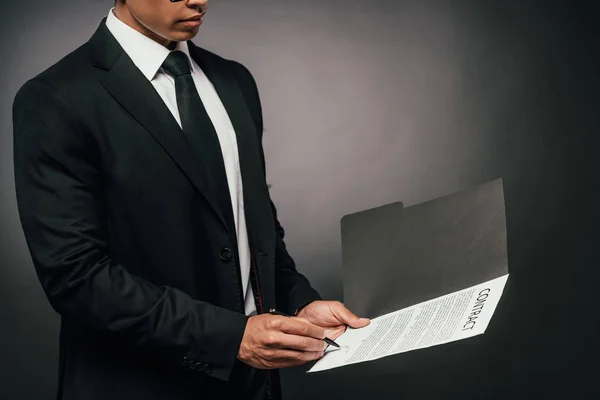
{"x": 293, "y": 290}
{"x": 58, "y": 180}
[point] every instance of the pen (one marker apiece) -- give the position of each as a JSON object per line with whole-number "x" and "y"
{"x": 327, "y": 340}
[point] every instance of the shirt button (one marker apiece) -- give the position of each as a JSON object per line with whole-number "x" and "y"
{"x": 226, "y": 254}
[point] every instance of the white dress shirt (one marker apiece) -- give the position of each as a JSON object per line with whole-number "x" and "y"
{"x": 149, "y": 56}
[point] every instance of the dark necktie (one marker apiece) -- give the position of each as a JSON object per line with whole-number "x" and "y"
{"x": 199, "y": 131}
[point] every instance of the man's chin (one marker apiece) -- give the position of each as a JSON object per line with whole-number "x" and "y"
{"x": 182, "y": 35}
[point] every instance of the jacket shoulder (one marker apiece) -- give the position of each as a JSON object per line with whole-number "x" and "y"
{"x": 241, "y": 72}
{"x": 72, "y": 70}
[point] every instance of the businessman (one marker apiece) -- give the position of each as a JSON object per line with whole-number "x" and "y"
{"x": 141, "y": 188}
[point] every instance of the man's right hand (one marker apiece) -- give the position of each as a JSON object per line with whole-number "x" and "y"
{"x": 272, "y": 341}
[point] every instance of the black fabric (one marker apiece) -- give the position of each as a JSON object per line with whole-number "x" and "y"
{"x": 204, "y": 142}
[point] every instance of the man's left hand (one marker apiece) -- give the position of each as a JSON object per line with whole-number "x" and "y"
{"x": 332, "y": 316}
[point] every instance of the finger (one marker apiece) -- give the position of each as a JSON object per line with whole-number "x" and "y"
{"x": 281, "y": 340}
{"x": 348, "y": 317}
{"x": 302, "y": 343}
{"x": 302, "y": 327}
{"x": 336, "y": 332}
{"x": 290, "y": 357}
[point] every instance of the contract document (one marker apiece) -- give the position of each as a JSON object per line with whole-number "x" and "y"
{"x": 448, "y": 318}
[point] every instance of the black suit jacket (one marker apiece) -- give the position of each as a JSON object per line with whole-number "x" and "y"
{"x": 127, "y": 238}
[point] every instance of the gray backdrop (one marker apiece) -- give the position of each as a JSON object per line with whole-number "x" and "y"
{"x": 367, "y": 103}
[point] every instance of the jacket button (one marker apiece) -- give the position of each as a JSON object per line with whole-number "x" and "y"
{"x": 226, "y": 254}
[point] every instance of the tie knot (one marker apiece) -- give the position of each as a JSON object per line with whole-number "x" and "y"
{"x": 177, "y": 63}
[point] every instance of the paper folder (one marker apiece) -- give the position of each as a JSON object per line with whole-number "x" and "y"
{"x": 394, "y": 256}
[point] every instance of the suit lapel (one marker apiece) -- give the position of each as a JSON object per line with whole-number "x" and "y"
{"x": 247, "y": 138}
{"x": 136, "y": 94}
{"x": 256, "y": 197}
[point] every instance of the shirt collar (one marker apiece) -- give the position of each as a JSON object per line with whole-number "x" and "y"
{"x": 145, "y": 53}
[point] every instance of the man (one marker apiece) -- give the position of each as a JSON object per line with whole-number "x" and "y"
{"x": 141, "y": 188}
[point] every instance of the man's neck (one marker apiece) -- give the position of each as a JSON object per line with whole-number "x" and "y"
{"x": 122, "y": 12}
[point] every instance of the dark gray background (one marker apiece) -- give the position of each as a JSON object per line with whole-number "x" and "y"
{"x": 367, "y": 103}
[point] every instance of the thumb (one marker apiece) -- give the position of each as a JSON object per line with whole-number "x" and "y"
{"x": 349, "y": 318}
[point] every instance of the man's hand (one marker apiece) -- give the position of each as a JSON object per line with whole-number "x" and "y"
{"x": 332, "y": 316}
{"x": 272, "y": 341}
